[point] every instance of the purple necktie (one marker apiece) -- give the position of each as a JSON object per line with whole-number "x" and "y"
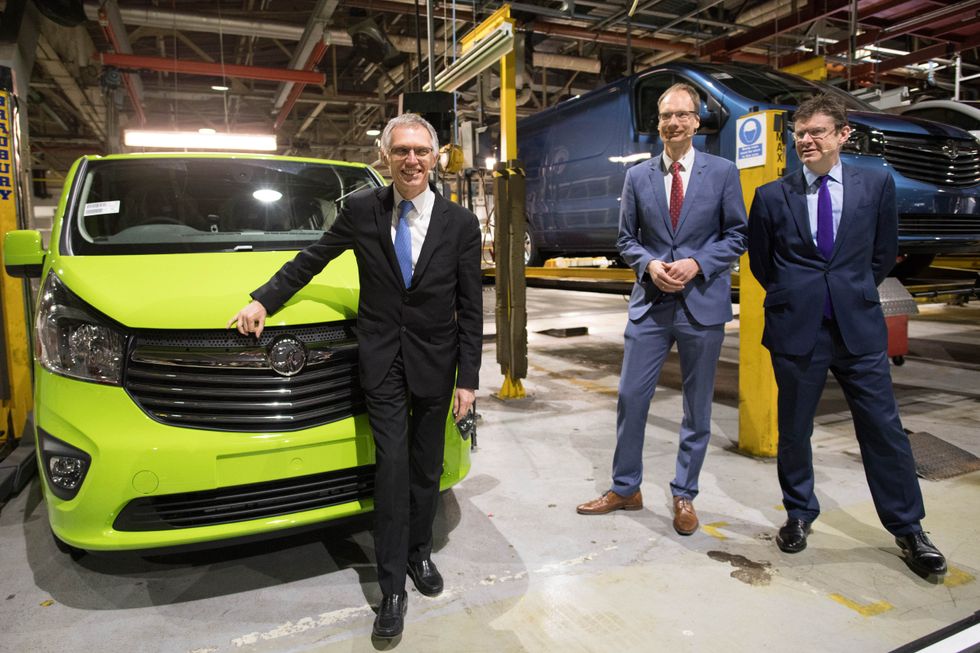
{"x": 825, "y": 232}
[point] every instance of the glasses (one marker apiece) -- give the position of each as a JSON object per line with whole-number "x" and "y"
{"x": 683, "y": 116}
{"x": 815, "y": 133}
{"x": 402, "y": 152}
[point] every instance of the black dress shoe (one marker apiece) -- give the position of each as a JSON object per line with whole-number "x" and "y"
{"x": 921, "y": 555}
{"x": 426, "y": 577}
{"x": 792, "y": 536}
{"x": 391, "y": 616}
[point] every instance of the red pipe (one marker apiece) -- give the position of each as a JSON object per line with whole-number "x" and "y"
{"x": 136, "y": 62}
{"x": 127, "y": 79}
{"x": 318, "y": 51}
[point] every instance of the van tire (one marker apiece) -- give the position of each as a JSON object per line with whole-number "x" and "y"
{"x": 532, "y": 257}
{"x": 914, "y": 265}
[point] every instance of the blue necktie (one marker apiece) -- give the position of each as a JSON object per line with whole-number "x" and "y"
{"x": 825, "y": 231}
{"x": 403, "y": 242}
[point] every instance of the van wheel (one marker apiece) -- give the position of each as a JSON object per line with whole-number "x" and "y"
{"x": 532, "y": 257}
{"x": 66, "y": 548}
{"x": 914, "y": 265}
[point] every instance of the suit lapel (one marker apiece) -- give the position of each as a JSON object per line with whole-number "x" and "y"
{"x": 659, "y": 193}
{"x": 383, "y": 211}
{"x": 853, "y": 190}
{"x": 794, "y": 189}
{"x": 437, "y": 227}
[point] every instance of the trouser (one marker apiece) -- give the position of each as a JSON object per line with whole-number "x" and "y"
{"x": 409, "y": 438}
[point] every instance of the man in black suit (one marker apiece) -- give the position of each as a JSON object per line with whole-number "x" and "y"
{"x": 419, "y": 330}
{"x": 821, "y": 240}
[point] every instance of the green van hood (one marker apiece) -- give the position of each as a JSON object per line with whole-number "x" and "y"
{"x": 203, "y": 291}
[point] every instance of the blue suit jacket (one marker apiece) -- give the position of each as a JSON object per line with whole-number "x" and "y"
{"x": 711, "y": 230}
{"x": 785, "y": 260}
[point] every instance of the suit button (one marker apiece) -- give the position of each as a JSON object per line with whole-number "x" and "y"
{"x": 404, "y": 300}
{"x": 404, "y": 329}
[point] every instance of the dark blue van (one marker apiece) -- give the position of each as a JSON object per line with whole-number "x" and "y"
{"x": 576, "y": 155}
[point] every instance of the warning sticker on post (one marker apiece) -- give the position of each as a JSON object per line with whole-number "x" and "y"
{"x": 750, "y": 148}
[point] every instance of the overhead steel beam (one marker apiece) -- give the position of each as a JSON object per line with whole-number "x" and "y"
{"x": 946, "y": 50}
{"x": 162, "y": 64}
{"x": 814, "y": 11}
{"x": 115, "y": 32}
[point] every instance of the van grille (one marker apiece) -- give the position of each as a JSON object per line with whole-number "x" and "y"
{"x": 221, "y": 380}
{"x": 934, "y": 225}
{"x": 949, "y": 162}
{"x": 245, "y": 502}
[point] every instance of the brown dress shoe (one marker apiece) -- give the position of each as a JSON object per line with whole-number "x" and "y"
{"x": 611, "y": 501}
{"x": 685, "y": 519}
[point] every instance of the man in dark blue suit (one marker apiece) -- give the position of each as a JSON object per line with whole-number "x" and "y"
{"x": 821, "y": 239}
{"x": 682, "y": 224}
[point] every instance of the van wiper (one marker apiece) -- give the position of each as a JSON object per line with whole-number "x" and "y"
{"x": 350, "y": 192}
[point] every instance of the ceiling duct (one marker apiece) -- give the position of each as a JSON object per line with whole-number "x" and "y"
{"x": 370, "y": 42}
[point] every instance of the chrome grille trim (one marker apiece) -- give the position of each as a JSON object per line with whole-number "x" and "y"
{"x": 926, "y": 158}
{"x": 222, "y": 381}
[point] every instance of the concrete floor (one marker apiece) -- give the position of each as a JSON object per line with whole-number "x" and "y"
{"x": 523, "y": 571}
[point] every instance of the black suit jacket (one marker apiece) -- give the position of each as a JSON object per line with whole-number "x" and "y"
{"x": 437, "y": 323}
{"x": 797, "y": 277}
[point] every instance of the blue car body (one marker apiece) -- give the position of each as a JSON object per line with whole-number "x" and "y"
{"x": 576, "y": 155}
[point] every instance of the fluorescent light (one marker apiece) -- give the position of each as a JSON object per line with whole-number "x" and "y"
{"x": 267, "y": 195}
{"x": 195, "y": 140}
{"x": 220, "y": 87}
{"x": 374, "y": 131}
{"x": 206, "y": 130}
{"x": 490, "y": 162}
{"x": 486, "y": 52}
{"x": 630, "y": 158}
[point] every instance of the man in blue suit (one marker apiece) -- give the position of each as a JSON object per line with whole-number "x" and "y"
{"x": 821, "y": 239}
{"x": 682, "y": 224}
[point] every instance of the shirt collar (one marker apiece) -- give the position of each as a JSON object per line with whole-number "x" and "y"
{"x": 686, "y": 161}
{"x": 420, "y": 201}
{"x": 812, "y": 177}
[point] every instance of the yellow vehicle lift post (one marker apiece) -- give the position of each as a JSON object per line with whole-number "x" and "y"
{"x": 761, "y": 157}
{"x": 16, "y": 397}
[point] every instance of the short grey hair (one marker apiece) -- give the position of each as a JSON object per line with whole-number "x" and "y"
{"x": 407, "y": 120}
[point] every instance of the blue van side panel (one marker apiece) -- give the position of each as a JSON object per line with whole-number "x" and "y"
{"x": 572, "y": 186}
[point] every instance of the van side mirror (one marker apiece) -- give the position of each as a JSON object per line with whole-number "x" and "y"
{"x": 710, "y": 122}
{"x": 713, "y": 116}
{"x": 22, "y": 253}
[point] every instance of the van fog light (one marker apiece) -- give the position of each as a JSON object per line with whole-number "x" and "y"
{"x": 65, "y": 466}
{"x": 66, "y": 473}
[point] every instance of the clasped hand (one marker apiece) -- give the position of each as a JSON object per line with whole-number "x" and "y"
{"x": 672, "y": 277}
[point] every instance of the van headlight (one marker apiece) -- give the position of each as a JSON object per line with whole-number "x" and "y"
{"x": 74, "y": 340}
{"x": 865, "y": 141}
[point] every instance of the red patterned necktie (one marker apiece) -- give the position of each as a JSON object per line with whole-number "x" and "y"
{"x": 676, "y": 194}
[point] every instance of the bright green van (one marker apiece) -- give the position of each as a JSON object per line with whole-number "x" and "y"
{"x": 156, "y": 426}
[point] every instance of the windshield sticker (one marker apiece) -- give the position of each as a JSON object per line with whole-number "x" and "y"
{"x": 102, "y": 208}
{"x": 722, "y": 76}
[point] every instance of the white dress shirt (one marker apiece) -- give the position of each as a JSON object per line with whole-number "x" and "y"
{"x": 687, "y": 162}
{"x": 418, "y": 219}
{"x": 836, "y": 187}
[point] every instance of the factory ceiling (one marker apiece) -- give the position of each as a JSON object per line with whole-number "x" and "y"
{"x": 319, "y": 73}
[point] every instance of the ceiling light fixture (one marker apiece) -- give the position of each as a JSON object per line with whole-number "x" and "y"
{"x": 220, "y": 87}
{"x": 172, "y": 140}
{"x": 373, "y": 131}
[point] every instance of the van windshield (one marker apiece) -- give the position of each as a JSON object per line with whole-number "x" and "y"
{"x": 768, "y": 86}
{"x": 177, "y": 205}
